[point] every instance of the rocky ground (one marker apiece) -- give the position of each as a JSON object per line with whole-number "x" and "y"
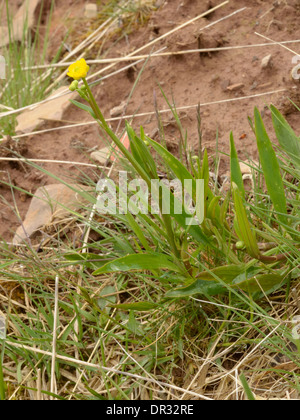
{"x": 227, "y": 83}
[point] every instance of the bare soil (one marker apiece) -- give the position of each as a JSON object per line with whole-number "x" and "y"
{"x": 186, "y": 79}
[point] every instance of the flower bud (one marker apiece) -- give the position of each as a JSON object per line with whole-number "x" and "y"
{"x": 73, "y": 86}
{"x": 240, "y": 245}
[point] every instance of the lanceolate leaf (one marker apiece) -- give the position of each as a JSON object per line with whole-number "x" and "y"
{"x": 286, "y": 136}
{"x": 244, "y": 228}
{"x": 201, "y": 287}
{"x": 259, "y": 283}
{"x": 84, "y": 107}
{"x": 207, "y": 282}
{"x": 270, "y": 168}
{"x": 227, "y": 273}
{"x": 141, "y": 153}
{"x": 179, "y": 170}
{"x": 139, "y": 262}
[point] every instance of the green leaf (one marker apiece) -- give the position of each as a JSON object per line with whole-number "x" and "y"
{"x": 202, "y": 287}
{"x": 286, "y": 136}
{"x": 207, "y": 282}
{"x": 136, "y": 306}
{"x": 179, "y": 170}
{"x": 84, "y": 107}
{"x": 133, "y": 325}
{"x": 262, "y": 282}
{"x": 182, "y": 173}
{"x": 236, "y": 173}
{"x": 226, "y": 273}
{"x": 224, "y": 208}
{"x": 141, "y": 153}
{"x": 103, "y": 300}
{"x": 214, "y": 210}
{"x": 205, "y": 175}
{"x": 244, "y": 230}
{"x": 139, "y": 262}
{"x": 270, "y": 168}
{"x": 88, "y": 260}
{"x": 247, "y": 388}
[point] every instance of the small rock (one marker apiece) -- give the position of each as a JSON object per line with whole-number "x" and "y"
{"x": 253, "y": 86}
{"x": 266, "y": 62}
{"x": 248, "y": 167}
{"x": 91, "y": 11}
{"x": 237, "y": 86}
{"x": 49, "y": 203}
{"x": 31, "y": 120}
{"x": 101, "y": 156}
{"x": 118, "y": 110}
{"x": 245, "y": 169}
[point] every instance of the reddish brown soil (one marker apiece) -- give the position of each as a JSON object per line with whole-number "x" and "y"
{"x": 187, "y": 79}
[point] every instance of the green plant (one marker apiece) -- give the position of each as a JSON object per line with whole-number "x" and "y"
{"x": 230, "y": 242}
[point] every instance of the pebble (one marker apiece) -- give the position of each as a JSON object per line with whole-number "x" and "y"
{"x": 266, "y": 62}
{"x": 118, "y": 110}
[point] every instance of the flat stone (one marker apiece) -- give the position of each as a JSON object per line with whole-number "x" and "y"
{"x": 91, "y": 11}
{"x": 31, "y": 120}
{"x": 118, "y": 110}
{"x": 24, "y": 19}
{"x": 52, "y": 202}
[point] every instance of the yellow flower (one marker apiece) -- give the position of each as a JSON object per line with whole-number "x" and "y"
{"x": 78, "y": 70}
